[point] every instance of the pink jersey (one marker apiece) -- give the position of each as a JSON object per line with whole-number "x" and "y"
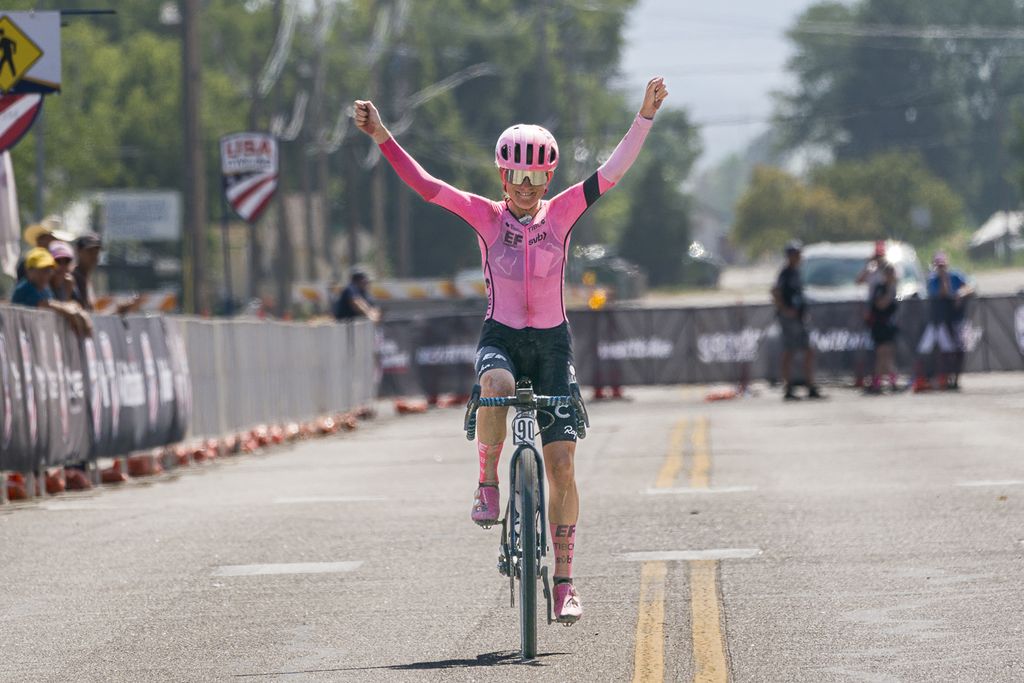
{"x": 524, "y": 264}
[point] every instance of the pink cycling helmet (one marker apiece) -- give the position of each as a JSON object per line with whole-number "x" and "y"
{"x": 525, "y": 147}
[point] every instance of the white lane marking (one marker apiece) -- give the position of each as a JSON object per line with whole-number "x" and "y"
{"x": 687, "y": 555}
{"x": 679, "y": 491}
{"x": 993, "y": 482}
{"x": 293, "y": 568}
{"x": 329, "y": 499}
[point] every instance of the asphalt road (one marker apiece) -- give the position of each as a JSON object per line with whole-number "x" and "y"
{"x": 855, "y": 539}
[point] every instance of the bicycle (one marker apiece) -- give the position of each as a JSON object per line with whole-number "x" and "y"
{"x": 524, "y": 527}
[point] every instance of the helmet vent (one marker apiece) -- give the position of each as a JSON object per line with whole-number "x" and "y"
{"x": 529, "y": 154}
{"x": 504, "y": 152}
{"x": 517, "y": 155}
{"x": 554, "y": 155}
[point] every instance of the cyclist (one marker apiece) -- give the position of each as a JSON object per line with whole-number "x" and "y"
{"x": 523, "y": 245}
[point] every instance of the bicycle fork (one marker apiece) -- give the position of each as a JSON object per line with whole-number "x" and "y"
{"x": 509, "y": 552}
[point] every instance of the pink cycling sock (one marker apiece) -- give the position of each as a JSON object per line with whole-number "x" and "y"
{"x": 487, "y": 452}
{"x": 563, "y": 540}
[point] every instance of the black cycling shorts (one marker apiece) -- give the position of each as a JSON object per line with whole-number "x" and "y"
{"x": 545, "y": 357}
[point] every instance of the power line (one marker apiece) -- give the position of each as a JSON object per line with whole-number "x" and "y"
{"x": 928, "y": 32}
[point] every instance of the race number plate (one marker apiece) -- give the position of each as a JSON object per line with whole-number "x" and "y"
{"x": 523, "y": 430}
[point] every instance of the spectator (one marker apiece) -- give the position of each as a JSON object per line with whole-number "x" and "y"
{"x": 871, "y": 274}
{"x": 788, "y": 295}
{"x": 34, "y": 291}
{"x": 41, "y": 235}
{"x": 62, "y": 284}
{"x": 884, "y": 329}
{"x": 87, "y": 248}
{"x": 355, "y": 301}
{"x": 948, "y": 291}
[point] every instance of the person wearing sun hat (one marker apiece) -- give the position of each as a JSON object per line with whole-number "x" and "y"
{"x": 33, "y": 291}
{"x": 41, "y": 234}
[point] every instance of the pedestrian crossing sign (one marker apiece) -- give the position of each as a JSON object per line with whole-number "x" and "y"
{"x": 18, "y": 53}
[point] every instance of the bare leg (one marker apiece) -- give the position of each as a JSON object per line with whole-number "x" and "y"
{"x": 563, "y": 502}
{"x": 491, "y": 425}
{"x": 787, "y": 361}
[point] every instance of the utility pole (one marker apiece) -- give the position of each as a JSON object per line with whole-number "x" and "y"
{"x": 196, "y": 296}
{"x": 285, "y": 260}
{"x": 40, "y": 163}
{"x": 404, "y": 245}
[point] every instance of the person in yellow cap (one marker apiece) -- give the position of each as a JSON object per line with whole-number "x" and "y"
{"x": 34, "y": 291}
{"x": 41, "y": 234}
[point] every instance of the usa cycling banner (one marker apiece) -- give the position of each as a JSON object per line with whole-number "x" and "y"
{"x": 249, "y": 165}
{"x": 17, "y": 114}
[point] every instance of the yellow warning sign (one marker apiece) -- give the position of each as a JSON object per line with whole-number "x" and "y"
{"x": 17, "y": 53}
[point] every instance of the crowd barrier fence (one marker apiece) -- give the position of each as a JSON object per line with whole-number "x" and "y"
{"x": 140, "y": 382}
{"x": 734, "y": 344}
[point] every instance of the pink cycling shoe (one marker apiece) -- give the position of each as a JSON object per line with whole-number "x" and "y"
{"x": 486, "y": 505}
{"x": 567, "y": 603}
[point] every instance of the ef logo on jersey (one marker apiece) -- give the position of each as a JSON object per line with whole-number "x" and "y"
{"x": 512, "y": 239}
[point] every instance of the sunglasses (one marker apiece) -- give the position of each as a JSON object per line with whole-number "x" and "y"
{"x": 516, "y": 177}
{"x": 63, "y": 261}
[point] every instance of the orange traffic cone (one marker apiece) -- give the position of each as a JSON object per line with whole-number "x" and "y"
{"x": 17, "y": 489}
{"x": 113, "y": 475}
{"x": 145, "y": 464}
{"x": 55, "y": 482}
{"x": 76, "y": 480}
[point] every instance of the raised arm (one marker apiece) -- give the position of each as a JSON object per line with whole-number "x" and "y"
{"x": 626, "y": 152}
{"x": 578, "y": 198}
{"x": 467, "y": 206}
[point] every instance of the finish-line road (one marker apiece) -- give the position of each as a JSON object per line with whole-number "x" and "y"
{"x": 855, "y": 539}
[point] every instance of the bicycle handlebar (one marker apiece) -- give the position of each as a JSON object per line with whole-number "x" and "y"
{"x": 514, "y": 402}
{"x": 525, "y": 398}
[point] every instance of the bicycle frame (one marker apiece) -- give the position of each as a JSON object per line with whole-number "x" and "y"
{"x": 524, "y": 438}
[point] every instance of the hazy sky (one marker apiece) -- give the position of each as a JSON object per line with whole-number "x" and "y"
{"x": 721, "y": 61}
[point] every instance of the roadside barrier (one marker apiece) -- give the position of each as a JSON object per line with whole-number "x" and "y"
{"x": 618, "y": 347}
{"x": 140, "y": 384}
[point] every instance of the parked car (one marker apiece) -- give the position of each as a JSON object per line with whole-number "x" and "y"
{"x": 701, "y": 268}
{"x": 598, "y": 265}
{"x": 829, "y": 270}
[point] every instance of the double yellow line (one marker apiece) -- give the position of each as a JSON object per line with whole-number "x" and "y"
{"x": 709, "y": 658}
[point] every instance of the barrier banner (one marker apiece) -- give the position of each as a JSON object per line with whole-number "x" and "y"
{"x": 16, "y": 437}
{"x": 181, "y": 378}
{"x": 105, "y": 386}
{"x": 613, "y": 347}
{"x": 445, "y": 353}
{"x": 34, "y": 381}
{"x": 724, "y": 344}
{"x": 76, "y": 444}
{"x": 395, "y": 348}
{"x": 152, "y": 353}
{"x": 729, "y": 342}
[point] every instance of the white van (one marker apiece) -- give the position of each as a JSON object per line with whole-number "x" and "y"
{"x": 829, "y": 270}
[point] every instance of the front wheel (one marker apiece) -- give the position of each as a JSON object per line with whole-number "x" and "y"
{"x": 529, "y": 514}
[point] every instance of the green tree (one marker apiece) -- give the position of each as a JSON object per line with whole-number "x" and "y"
{"x": 657, "y": 235}
{"x": 889, "y": 195}
{"x": 911, "y": 203}
{"x": 910, "y": 75}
